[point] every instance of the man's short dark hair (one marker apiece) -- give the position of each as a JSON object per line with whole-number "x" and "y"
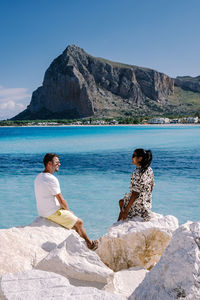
{"x": 49, "y": 157}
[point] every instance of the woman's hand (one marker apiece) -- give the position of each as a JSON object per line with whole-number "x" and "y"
{"x": 124, "y": 214}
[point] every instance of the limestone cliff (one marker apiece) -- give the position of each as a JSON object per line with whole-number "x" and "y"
{"x": 78, "y": 85}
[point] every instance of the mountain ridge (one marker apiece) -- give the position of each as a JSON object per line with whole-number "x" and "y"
{"x": 78, "y": 85}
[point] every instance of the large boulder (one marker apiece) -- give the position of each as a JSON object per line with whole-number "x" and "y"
{"x": 21, "y": 248}
{"x": 124, "y": 282}
{"x": 42, "y": 285}
{"x": 75, "y": 261}
{"x": 136, "y": 243}
{"x": 176, "y": 276}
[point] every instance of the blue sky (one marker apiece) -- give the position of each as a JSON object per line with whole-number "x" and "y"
{"x": 159, "y": 34}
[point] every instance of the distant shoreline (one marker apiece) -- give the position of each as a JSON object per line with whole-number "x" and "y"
{"x": 107, "y": 125}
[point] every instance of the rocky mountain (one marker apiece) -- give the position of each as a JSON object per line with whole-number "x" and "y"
{"x": 188, "y": 83}
{"x": 78, "y": 85}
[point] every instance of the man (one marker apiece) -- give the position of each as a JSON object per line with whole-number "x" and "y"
{"x": 50, "y": 202}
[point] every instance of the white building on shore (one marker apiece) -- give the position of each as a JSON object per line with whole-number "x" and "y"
{"x": 192, "y": 120}
{"x": 159, "y": 121}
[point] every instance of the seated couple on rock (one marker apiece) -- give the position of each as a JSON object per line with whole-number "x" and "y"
{"x": 52, "y": 206}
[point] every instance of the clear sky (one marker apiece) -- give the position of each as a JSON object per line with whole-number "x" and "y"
{"x": 160, "y": 34}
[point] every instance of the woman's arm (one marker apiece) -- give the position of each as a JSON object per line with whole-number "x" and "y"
{"x": 152, "y": 186}
{"x": 133, "y": 197}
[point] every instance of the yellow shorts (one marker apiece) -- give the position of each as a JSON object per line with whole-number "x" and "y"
{"x": 63, "y": 217}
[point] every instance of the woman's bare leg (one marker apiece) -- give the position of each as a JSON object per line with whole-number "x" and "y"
{"x": 121, "y": 203}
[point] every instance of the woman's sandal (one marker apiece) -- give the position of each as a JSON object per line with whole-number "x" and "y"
{"x": 94, "y": 245}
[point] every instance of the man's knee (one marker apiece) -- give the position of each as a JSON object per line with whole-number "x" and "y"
{"x": 78, "y": 224}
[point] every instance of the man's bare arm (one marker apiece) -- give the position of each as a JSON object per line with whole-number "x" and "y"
{"x": 62, "y": 201}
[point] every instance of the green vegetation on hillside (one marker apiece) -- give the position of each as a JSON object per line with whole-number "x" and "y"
{"x": 89, "y": 121}
{"x": 117, "y": 64}
{"x": 184, "y": 102}
{"x": 189, "y": 78}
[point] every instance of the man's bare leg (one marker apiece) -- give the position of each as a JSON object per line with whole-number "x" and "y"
{"x": 81, "y": 231}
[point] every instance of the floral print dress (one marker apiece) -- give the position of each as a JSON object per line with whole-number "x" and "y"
{"x": 141, "y": 183}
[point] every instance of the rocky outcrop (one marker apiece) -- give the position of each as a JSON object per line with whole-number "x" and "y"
{"x": 47, "y": 246}
{"x": 21, "y": 248}
{"x": 78, "y": 85}
{"x": 176, "y": 276}
{"x": 75, "y": 261}
{"x": 188, "y": 83}
{"x": 125, "y": 282}
{"x": 136, "y": 243}
{"x": 35, "y": 284}
{"x": 76, "y": 271}
{"x": 50, "y": 247}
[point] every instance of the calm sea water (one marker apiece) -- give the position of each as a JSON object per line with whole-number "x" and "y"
{"x": 96, "y": 168}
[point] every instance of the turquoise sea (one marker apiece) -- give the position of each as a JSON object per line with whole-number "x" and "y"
{"x": 96, "y": 168}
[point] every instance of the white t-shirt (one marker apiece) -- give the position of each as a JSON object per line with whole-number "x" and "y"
{"x": 46, "y": 187}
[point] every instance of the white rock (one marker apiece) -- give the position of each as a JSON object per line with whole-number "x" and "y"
{"x": 31, "y": 285}
{"x": 177, "y": 274}
{"x": 21, "y": 248}
{"x": 75, "y": 261}
{"x": 126, "y": 281}
{"x": 136, "y": 243}
{"x": 40, "y": 285}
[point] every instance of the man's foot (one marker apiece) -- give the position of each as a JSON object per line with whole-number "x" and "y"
{"x": 94, "y": 245}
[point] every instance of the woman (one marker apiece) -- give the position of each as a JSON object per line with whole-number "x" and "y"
{"x": 139, "y": 201}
